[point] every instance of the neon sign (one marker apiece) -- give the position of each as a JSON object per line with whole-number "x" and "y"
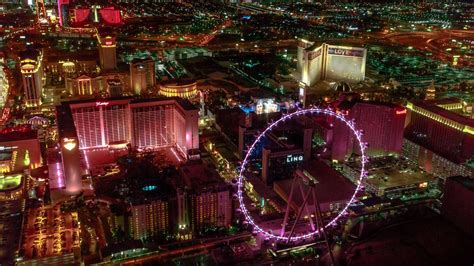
{"x": 346, "y": 52}
{"x": 312, "y": 55}
{"x": 97, "y": 104}
{"x": 291, "y": 158}
{"x": 401, "y": 112}
{"x": 69, "y": 144}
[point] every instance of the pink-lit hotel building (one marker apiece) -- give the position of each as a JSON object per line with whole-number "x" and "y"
{"x": 144, "y": 124}
{"x": 93, "y": 132}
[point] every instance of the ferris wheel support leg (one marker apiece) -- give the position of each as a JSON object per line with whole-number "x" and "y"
{"x": 300, "y": 211}
{"x": 287, "y": 212}
{"x": 319, "y": 219}
{"x": 307, "y": 210}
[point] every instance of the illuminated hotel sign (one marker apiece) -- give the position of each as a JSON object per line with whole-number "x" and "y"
{"x": 101, "y": 103}
{"x": 312, "y": 55}
{"x": 301, "y": 92}
{"x": 27, "y": 67}
{"x": 293, "y": 158}
{"x": 346, "y": 52}
{"x": 3, "y": 148}
{"x": 401, "y": 112}
{"x": 107, "y": 41}
{"x": 69, "y": 144}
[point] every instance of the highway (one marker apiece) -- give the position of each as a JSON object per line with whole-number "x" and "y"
{"x": 201, "y": 248}
{"x": 424, "y": 41}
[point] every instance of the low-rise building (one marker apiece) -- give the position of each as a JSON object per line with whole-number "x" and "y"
{"x": 390, "y": 176}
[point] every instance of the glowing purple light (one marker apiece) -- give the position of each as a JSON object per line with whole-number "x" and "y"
{"x": 59, "y": 175}
{"x": 363, "y": 172}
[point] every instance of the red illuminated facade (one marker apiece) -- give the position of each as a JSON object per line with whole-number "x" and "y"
{"x": 382, "y": 124}
{"x": 110, "y": 15}
{"x": 444, "y": 132}
{"x": 80, "y": 16}
{"x": 441, "y": 141}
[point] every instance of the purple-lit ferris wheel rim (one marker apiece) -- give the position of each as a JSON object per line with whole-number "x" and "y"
{"x": 363, "y": 173}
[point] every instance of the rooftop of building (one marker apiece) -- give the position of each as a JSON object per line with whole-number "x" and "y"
{"x": 186, "y": 104}
{"x": 286, "y": 136}
{"x": 385, "y": 104}
{"x": 201, "y": 177}
{"x": 391, "y": 178}
{"x": 65, "y": 121}
{"x": 178, "y": 82}
{"x": 391, "y": 172}
{"x": 346, "y": 103}
{"x": 69, "y": 102}
{"x": 313, "y": 46}
{"x": 432, "y": 107}
{"x": 331, "y": 186}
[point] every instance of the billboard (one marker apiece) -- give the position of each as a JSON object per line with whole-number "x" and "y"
{"x": 345, "y": 64}
{"x": 346, "y": 52}
{"x": 81, "y": 16}
{"x": 330, "y": 62}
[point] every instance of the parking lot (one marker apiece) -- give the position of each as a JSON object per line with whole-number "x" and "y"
{"x": 48, "y": 232}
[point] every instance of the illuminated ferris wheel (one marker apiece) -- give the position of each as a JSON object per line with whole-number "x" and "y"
{"x": 315, "y": 227}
